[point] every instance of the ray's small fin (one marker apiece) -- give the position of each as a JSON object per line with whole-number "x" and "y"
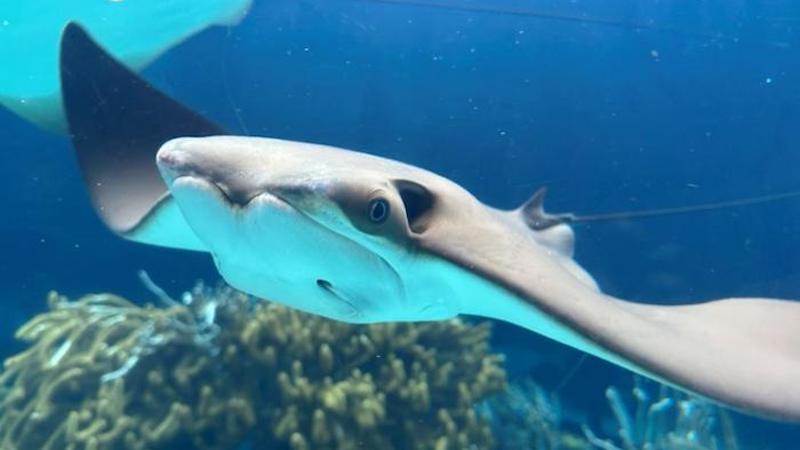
{"x": 117, "y": 122}
{"x": 534, "y": 215}
{"x": 547, "y": 230}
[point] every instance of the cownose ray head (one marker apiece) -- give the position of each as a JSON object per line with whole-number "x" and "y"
{"x": 320, "y": 229}
{"x": 360, "y": 238}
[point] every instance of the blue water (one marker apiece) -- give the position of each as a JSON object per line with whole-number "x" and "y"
{"x": 700, "y": 104}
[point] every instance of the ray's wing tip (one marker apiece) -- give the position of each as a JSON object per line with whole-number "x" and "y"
{"x": 117, "y": 121}
{"x": 73, "y": 36}
{"x": 72, "y": 28}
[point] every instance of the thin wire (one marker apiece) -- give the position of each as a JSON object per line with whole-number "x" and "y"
{"x": 228, "y": 93}
{"x": 683, "y": 209}
{"x": 554, "y": 16}
{"x": 571, "y": 373}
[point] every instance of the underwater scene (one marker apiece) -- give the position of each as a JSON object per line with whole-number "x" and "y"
{"x": 400, "y": 224}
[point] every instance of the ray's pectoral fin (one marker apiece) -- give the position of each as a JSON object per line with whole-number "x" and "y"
{"x": 117, "y": 122}
{"x": 741, "y": 351}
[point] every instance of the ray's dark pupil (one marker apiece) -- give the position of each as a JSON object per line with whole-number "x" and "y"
{"x": 378, "y": 210}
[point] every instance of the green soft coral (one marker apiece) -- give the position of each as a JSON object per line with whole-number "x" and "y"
{"x": 224, "y": 370}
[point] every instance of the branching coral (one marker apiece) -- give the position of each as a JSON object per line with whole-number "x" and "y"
{"x": 222, "y": 370}
{"x": 670, "y": 421}
{"x": 529, "y": 417}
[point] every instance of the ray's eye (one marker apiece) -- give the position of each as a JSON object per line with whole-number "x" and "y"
{"x": 378, "y": 210}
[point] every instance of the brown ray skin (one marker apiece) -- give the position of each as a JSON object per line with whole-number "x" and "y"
{"x": 744, "y": 352}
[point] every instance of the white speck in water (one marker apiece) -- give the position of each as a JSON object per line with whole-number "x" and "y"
{"x": 472, "y": 50}
{"x": 521, "y": 32}
{"x": 692, "y": 185}
{"x": 5, "y": 23}
{"x": 501, "y": 132}
{"x": 768, "y": 80}
{"x": 306, "y": 49}
{"x": 654, "y": 53}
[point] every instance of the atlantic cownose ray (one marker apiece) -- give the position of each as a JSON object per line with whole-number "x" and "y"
{"x": 136, "y": 32}
{"x": 359, "y": 238}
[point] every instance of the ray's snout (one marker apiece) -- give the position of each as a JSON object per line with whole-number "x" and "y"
{"x": 174, "y": 158}
{"x": 238, "y": 171}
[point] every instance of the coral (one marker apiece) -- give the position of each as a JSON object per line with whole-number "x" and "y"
{"x": 671, "y": 421}
{"x": 529, "y": 417}
{"x": 223, "y": 371}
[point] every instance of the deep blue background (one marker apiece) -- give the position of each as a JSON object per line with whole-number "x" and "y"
{"x": 680, "y": 103}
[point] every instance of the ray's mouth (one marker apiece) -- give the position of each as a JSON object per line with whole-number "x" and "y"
{"x": 225, "y": 195}
{"x": 347, "y": 309}
{"x": 207, "y": 184}
{"x": 176, "y": 164}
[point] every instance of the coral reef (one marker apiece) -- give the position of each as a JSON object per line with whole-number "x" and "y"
{"x": 529, "y": 417}
{"x": 222, "y": 371}
{"x": 672, "y": 420}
